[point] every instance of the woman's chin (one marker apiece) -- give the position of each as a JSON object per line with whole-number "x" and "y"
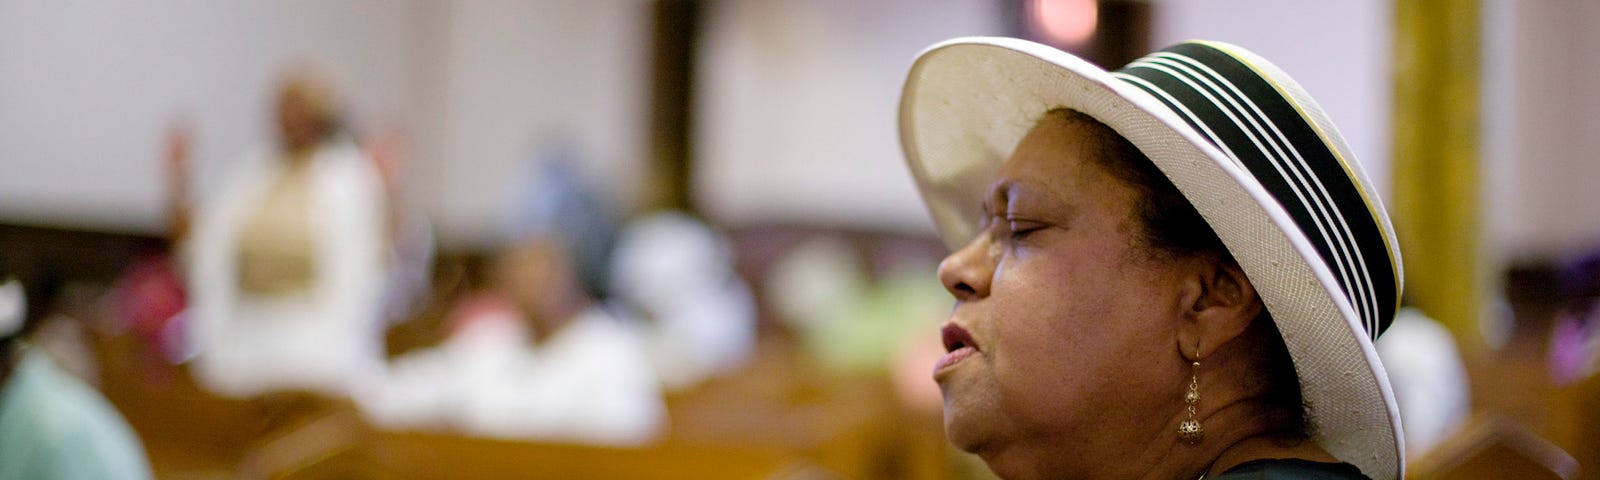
{"x": 961, "y": 430}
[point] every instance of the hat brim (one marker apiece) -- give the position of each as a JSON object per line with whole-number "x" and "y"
{"x": 966, "y": 104}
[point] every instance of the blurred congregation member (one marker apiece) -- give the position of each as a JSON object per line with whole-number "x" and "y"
{"x": 287, "y": 267}
{"x": 1575, "y": 350}
{"x": 1575, "y": 337}
{"x": 539, "y": 355}
{"x": 52, "y": 425}
{"x": 1427, "y": 376}
{"x": 677, "y": 273}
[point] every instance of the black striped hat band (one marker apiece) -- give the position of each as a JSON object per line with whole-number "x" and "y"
{"x": 1251, "y": 121}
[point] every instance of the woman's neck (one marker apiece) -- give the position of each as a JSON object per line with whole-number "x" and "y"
{"x": 1263, "y": 447}
{"x": 1240, "y": 426}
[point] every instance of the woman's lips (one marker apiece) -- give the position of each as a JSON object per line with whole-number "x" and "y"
{"x": 951, "y": 358}
{"x": 958, "y": 345}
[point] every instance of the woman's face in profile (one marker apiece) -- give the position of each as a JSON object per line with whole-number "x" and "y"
{"x": 1070, "y": 320}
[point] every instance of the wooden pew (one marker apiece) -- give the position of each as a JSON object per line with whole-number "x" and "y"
{"x": 775, "y": 420}
{"x": 1492, "y": 447}
{"x": 446, "y": 457}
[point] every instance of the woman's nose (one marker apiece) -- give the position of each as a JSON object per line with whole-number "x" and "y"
{"x": 966, "y": 272}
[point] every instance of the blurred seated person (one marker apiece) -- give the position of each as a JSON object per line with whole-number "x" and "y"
{"x": 1428, "y": 379}
{"x": 1574, "y": 354}
{"x": 677, "y": 273}
{"x": 52, "y": 425}
{"x": 1574, "y": 342}
{"x": 539, "y": 355}
{"x": 287, "y": 266}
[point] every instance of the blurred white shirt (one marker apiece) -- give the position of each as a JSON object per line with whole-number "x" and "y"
{"x": 1429, "y": 380}
{"x": 324, "y": 338}
{"x": 590, "y": 383}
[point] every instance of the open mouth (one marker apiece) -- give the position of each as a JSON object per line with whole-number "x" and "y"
{"x": 956, "y": 338}
{"x": 958, "y": 345}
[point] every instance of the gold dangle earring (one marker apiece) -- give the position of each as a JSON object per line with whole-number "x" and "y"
{"x": 1190, "y": 430}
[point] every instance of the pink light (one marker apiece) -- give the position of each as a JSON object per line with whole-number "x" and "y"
{"x": 1068, "y": 22}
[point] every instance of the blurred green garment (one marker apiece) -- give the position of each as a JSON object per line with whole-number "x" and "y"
{"x": 53, "y": 426}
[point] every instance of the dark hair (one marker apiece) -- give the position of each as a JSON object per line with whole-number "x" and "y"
{"x": 40, "y": 288}
{"x": 1171, "y": 226}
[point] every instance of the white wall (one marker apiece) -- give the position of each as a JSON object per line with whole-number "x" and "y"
{"x": 797, "y": 107}
{"x": 515, "y": 75}
{"x": 1541, "y": 127}
{"x": 88, "y": 89}
{"x": 1341, "y": 52}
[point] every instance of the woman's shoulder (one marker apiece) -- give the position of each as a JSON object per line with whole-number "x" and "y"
{"x": 1292, "y": 469}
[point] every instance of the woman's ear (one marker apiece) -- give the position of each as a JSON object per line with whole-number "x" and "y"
{"x": 1222, "y": 304}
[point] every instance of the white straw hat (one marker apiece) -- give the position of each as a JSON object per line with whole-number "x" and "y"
{"x": 1250, "y": 150}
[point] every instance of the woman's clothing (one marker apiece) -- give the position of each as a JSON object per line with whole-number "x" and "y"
{"x": 285, "y": 276}
{"x": 1292, "y": 469}
{"x": 277, "y": 244}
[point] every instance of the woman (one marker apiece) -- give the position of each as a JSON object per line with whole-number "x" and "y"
{"x": 287, "y": 267}
{"x": 1170, "y": 271}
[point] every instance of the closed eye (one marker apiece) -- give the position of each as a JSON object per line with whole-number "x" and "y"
{"x": 1020, "y": 229}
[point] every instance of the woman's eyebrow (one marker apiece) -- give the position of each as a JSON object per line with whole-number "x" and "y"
{"x": 999, "y": 194}
{"x": 1023, "y": 188}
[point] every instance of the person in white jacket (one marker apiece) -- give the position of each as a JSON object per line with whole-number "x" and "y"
{"x": 286, "y": 265}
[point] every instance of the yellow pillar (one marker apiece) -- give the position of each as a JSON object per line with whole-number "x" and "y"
{"x": 1435, "y": 207}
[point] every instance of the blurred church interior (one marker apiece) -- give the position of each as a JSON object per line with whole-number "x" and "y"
{"x": 746, "y": 212}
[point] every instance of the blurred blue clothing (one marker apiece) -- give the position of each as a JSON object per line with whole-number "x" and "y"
{"x": 556, "y": 202}
{"x": 53, "y": 426}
